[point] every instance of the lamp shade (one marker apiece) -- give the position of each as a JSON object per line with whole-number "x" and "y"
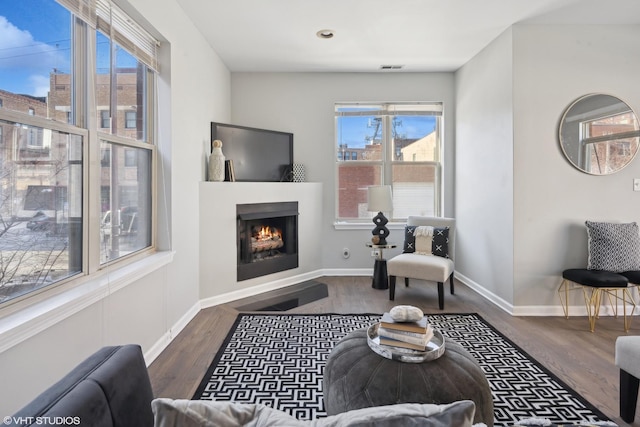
{"x": 379, "y": 198}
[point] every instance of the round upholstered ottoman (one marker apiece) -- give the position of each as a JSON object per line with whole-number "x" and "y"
{"x": 355, "y": 377}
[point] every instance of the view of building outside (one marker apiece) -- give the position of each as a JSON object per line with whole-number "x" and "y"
{"x": 42, "y": 162}
{"x": 604, "y": 153}
{"x": 397, "y": 145}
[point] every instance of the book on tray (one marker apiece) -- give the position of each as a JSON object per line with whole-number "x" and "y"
{"x": 420, "y": 326}
{"x": 412, "y": 335}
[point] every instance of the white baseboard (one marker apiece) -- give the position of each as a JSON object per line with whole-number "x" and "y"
{"x": 156, "y": 349}
{"x": 535, "y": 310}
{"x": 495, "y": 299}
{"x": 348, "y": 272}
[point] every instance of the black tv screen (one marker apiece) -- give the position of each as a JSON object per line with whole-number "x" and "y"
{"x": 258, "y": 155}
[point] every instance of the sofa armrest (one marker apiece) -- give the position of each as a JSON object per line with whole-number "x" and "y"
{"x": 110, "y": 388}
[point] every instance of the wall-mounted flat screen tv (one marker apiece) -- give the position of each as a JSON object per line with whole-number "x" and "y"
{"x": 258, "y": 155}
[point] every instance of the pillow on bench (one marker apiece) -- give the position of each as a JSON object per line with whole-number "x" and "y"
{"x": 613, "y": 247}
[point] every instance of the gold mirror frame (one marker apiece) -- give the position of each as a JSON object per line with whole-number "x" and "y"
{"x": 599, "y": 134}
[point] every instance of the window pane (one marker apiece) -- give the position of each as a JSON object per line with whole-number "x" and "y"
{"x": 126, "y": 202}
{"x": 359, "y": 138}
{"x": 35, "y": 53}
{"x": 414, "y": 188}
{"x": 388, "y": 144}
{"x": 124, "y": 91}
{"x": 415, "y": 138}
{"x": 40, "y": 208}
{"x": 353, "y": 180}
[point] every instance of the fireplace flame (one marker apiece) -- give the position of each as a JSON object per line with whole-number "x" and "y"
{"x": 266, "y": 238}
{"x": 269, "y": 233}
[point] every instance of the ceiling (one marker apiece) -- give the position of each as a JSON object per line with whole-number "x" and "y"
{"x": 419, "y": 35}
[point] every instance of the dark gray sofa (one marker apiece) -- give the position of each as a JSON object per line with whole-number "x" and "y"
{"x": 110, "y": 388}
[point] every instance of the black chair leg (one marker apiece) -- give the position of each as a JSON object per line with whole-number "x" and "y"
{"x": 628, "y": 396}
{"x": 441, "y": 295}
{"x": 451, "y": 283}
{"x": 392, "y": 287}
{"x": 406, "y": 282}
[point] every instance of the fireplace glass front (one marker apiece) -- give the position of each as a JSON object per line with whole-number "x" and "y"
{"x": 267, "y": 238}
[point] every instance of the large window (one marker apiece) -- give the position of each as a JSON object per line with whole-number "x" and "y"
{"x": 70, "y": 150}
{"x": 388, "y": 144}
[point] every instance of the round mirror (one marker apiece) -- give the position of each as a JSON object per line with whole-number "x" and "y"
{"x": 599, "y": 134}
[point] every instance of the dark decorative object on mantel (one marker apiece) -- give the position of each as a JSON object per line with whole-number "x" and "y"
{"x": 379, "y": 200}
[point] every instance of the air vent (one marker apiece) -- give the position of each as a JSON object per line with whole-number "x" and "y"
{"x": 391, "y": 67}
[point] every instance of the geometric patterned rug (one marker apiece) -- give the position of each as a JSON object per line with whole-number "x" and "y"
{"x": 278, "y": 360}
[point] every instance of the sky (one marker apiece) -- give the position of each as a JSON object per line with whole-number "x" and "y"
{"x": 355, "y": 130}
{"x": 34, "y": 40}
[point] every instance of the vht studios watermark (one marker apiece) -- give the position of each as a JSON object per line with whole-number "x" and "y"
{"x": 50, "y": 421}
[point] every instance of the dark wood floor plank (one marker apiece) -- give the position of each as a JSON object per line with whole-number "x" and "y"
{"x": 584, "y": 360}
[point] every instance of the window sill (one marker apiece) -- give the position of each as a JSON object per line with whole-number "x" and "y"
{"x": 25, "y": 323}
{"x": 344, "y": 225}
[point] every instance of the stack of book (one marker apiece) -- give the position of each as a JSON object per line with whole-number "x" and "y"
{"x": 411, "y": 335}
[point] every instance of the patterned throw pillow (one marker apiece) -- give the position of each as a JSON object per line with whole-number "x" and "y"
{"x": 409, "y": 239}
{"x": 613, "y": 247}
{"x": 439, "y": 240}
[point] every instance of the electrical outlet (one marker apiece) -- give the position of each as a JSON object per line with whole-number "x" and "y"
{"x": 636, "y": 184}
{"x": 375, "y": 253}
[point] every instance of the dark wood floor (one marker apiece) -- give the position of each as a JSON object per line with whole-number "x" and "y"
{"x": 582, "y": 359}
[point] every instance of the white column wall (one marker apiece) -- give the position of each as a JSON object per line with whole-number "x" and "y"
{"x": 484, "y": 170}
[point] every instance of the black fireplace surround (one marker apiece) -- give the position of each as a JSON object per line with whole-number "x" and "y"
{"x": 267, "y": 238}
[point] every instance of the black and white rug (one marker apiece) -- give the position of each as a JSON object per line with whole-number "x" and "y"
{"x": 278, "y": 360}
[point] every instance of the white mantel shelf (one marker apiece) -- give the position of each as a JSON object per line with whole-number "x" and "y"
{"x": 218, "y": 202}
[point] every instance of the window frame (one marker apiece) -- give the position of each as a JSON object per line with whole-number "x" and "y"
{"x": 387, "y": 162}
{"x": 85, "y": 120}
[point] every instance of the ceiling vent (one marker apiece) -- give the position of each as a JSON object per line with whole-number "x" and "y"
{"x": 391, "y": 67}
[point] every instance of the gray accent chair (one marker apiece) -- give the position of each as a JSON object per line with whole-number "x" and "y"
{"x": 628, "y": 360}
{"x": 425, "y": 267}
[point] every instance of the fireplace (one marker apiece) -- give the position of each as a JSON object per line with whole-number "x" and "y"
{"x": 267, "y": 239}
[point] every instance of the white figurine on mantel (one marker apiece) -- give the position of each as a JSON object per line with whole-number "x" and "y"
{"x": 216, "y": 162}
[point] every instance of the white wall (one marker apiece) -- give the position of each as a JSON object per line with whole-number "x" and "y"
{"x": 521, "y": 206}
{"x": 198, "y": 91}
{"x": 303, "y": 103}
{"x": 553, "y": 66}
{"x": 484, "y": 169}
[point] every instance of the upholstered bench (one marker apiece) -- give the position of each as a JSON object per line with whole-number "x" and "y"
{"x": 594, "y": 285}
{"x": 355, "y": 377}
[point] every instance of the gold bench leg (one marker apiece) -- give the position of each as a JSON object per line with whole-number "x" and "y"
{"x": 565, "y": 287}
{"x": 593, "y": 301}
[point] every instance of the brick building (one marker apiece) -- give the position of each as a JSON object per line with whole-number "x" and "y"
{"x": 34, "y": 160}
{"x": 356, "y": 173}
